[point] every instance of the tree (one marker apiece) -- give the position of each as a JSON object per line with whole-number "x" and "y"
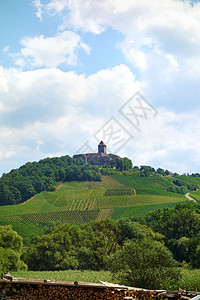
{"x": 180, "y": 226}
{"x": 146, "y": 170}
{"x": 124, "y": 164}
{"x": 10, "y": 250}
{"x": 55, "y": 250}
{"x": 120, "y": 164}
{"x": 160, "y": 171}
{"x": 183, "y": 221}
{"x": 128, "y": 230}
{"x": 127, "y": 164}
{"x": 146, "y": 264}
{"x": 100, "y": 239}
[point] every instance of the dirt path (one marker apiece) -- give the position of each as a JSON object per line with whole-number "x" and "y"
{"x": 59, "y": 186}
{"x": 27, "y": 201}
{"x": 189, "y": 197}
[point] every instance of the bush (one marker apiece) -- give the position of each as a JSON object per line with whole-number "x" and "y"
{"x": 146, "y": 264}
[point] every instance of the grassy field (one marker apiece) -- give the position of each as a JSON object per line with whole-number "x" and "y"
{"x": 68, "y": 275}
{"x": 190, "y": 280}
{"x": 140, "y": 210}
{"x": 195, "y": 195}
{"x": 155, "y": 185}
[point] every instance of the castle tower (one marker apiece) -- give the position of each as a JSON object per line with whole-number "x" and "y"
{"x": 101, "y": 147}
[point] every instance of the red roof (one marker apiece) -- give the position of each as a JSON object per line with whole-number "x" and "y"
{"x": 102, "y": 143}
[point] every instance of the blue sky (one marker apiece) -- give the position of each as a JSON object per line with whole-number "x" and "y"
{"x": 75, "y": 72}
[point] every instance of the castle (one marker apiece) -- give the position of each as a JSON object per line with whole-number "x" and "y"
{"x": 99, "y": 159}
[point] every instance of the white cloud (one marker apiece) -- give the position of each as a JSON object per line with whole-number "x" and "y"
{"x": 158, "y": 35}
{"x": 170, "y": 141}
{"x": 38, "y": 7}
{"x": 55, "y": 113}
{"x": 41, "y": 51}
{"x": 152, "y": 19}
{"x": 48, "y": 111}
{"x": 6, "y": 49}
{"x": 57, "y": 5}
{"x": 161, "y": 40}
{"x": 3, "y": 81}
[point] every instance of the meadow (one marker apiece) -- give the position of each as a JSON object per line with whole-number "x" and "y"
{"x": 190, "y": 280}
{"x": 68, "y": 275}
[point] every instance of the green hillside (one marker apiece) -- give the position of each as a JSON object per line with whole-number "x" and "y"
{"x": 115, "y": 196}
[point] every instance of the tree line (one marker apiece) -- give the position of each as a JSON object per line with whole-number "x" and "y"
{"x": 135, "y": 254}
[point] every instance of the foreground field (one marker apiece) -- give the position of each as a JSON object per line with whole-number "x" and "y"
{"x": 190, "y": 278}
{"x": 68, "y": 275}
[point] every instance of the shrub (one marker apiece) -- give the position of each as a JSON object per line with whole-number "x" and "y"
{"x": 146, "y": 264}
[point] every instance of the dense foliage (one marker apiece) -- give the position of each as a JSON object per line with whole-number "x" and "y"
{"x": 21, "y": 184}
{"x": 181, "y": 228}
{"x": 181, "y": 186}
{"x": 82, "y": 247}
{"x": 10, "y": 250}
{"x": 125, "y": 247}
{"x": 145, "y": 264}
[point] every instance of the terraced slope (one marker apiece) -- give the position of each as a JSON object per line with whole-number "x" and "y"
{"x": 80, "y": 202}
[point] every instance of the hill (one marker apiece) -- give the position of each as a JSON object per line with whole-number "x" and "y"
{"x": 80, "y": 202}
{"x": 35, "y": 177}
{"x": 90, "y": 196}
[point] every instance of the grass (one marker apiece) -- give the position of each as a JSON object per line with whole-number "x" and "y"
{"x": 155, "y": 185}
{"x": 189, "y": 179}
{"x": 190, "y": 280}
{"x": 68, "y": 275}
{"x": 140, "y": 210}
{"x": 195, "y": 195}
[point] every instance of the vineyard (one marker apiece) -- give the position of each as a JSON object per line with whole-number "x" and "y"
{"x": 195, "y": 195}
{"x": 80, "y": 202}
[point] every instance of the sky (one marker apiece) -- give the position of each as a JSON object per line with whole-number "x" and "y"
{"x": 75, "y": 72}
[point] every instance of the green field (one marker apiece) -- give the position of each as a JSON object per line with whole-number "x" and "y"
{"x": 68, "y": 275}
{"x": 79, "y": 202}
{"x": 154, "y": 185}
{"x": 195, "y": 195}
{"x": 190, "y": 280}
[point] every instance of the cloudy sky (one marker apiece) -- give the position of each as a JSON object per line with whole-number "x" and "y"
{"x": 73, "y": 72}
